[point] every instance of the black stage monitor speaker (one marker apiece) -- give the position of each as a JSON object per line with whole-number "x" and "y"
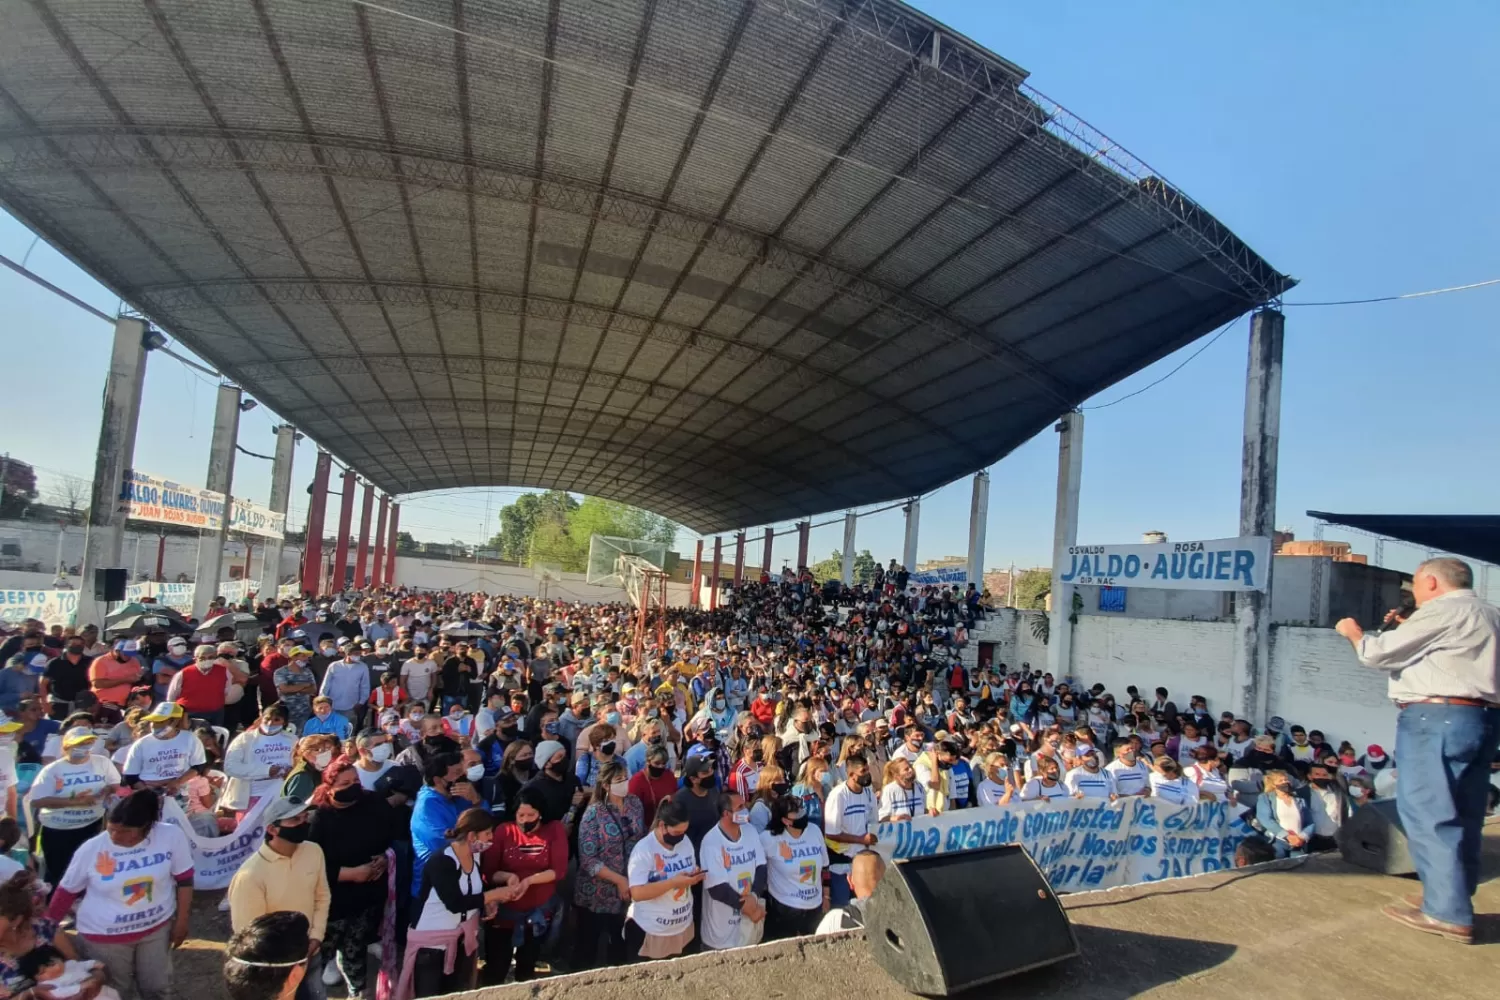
{"x": 1372, "y": 838}
{"x": 950, "y": 922}
{"x": 109, "y": 584}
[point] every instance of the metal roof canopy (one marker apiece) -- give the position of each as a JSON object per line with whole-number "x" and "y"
{"x": 733, "y": 261}
{"x": 1476, "y": 536}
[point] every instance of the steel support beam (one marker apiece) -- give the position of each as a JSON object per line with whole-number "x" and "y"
{"x": 1252, "y": 609}
{"x": 851, "y": 521}
{"x": 104, "y": 536}
{"x": 220, "y": 479}
{"x": 390, "y": 546}
{"x": 341, "y": 543}
{"x": 979, "y": 516}
{"x": 695, "y": 600}
{"x": 803, "y": 530}
{"x": 913, "y": 525}
{"x": 317, "y": 503}
{"x": 713, "y": 581}
{"x": 1065, "y": 535}
{"x": 739, "y": 560}
{"x": 362, "y": 553}
{"x": 765, "y": 559}
{"x": 377, "y": 565}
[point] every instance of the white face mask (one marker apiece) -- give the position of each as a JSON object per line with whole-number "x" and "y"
{"x": 271, "y": 729}
{"x": 475, "y": 773}
{"x": 323, "y": 759}
{"x": 741, "y": 816}
{"x": 619, "y": 789}
{"x": 380, "y": 754}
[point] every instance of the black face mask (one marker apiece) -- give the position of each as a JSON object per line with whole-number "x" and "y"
{"x": 508, "y": 729}
{"x": 290, "y": 834}
{"x": 865, "y": 781}
{"x": 1321, "y": 782}
{"x": 555, "y": 769}
{"x": 607, "y": 748}
{"x": 672, "y": 839}
{"x": 348, "y": 794}
{"x": 781, "y": 788}
{"x": 654, "y": 771}
{"x": 654, "y": 740}
{"x": 758, "y": 755}
{"x": 530, "y": 825}
{"x": 799, "y": 824}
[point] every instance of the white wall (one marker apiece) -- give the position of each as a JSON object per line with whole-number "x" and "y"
{"x": 1315, "y": 680}
{"x": 39, "y": 545}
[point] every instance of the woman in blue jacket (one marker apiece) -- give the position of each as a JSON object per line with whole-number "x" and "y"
{"x": 1284, "y": 815}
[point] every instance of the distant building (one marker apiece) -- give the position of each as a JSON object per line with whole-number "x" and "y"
{"x": 1337, "y": 551}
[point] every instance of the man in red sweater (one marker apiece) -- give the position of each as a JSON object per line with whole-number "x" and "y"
{"x": 763, "y": 708}
{"x": 655, "y": 782}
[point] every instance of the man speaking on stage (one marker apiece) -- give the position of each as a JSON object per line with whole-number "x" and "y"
{"x": 1444, "y": 664}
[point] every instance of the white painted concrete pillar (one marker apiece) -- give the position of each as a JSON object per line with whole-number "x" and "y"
{"x": 1065, "y": 535}
{"x": 847, "y": 575}
{"x": 104, "y": 535}
{"x": 220, "y": 479}
{"x": 913, "y": 523}
{"x": 281, "y": 493}
{"x": 1252, "y": 640}
{"x": 979, "y": 516}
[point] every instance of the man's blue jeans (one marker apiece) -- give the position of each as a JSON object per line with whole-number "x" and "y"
{"x": 1443, "y": 756}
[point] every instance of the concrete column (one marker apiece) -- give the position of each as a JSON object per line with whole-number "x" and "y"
{"x": 221, "y": 480}
{"x": 739, "y": 559}
{"x": 390, "y": 546}
{"x": 317, "y": 503}
{"x": 979, "y": 517}
{"x": 341, "y": 542}
{"x": 104, "y": 535}
{"x": 803, "y": 528}
{"x": 696, "y": 600}
{"x": 913, "y": 524}
{"x": 713, "y": 581}
{"x": 377, "y": 566}
{"x": 1065, "y": 535}
{"x": 1252, "y": 641}
{"x": 281, "y": 492}
{"x": 846, "y": 573}
{"x": 362, "y": 553}
{"x": 765, "y": 559}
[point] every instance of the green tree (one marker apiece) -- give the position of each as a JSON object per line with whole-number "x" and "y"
{"x": 832, "y": 568}
{"x": 1032, "y": 586}
{"x": 864, "y": 567}
{"x": 519, "y": 521}
{"x": 405, "y": 542}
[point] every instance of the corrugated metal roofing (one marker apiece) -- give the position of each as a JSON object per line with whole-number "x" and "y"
{"x": 734, "y": 261}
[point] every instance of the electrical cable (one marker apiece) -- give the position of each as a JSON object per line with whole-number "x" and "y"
{"x": 1397, "y": 298}
{"x": 246, "y": 451}
{"x": 1222, "y": 330}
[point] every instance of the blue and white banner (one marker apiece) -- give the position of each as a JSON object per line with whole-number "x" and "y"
{"x": 51, "y": 607}
{"x": 216, "y": 859}
{"x": 252, "y": 519}
{"x": 1217, "y": 564}
{"x": 933, "y": 577}
{"x": 145, "y": 497}
{"x": 1084, "y": 844}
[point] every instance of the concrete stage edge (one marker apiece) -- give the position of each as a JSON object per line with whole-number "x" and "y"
{"x": 1310, "y": 930}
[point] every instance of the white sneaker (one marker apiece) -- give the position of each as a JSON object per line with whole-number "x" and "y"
{"x": 331, "y": 974}
{"x": 224, "y": 904}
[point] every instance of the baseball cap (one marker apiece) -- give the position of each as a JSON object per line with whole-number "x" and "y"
{"x": 177, "y": 642}
{"x": 297, "y": 651}
{"x": 1375, "y": 751}
{"x": 696, "y": 765}
{"x": 77, "y": 736}
{"x": 283, "y": 808}
{"x": 163, "y": 711}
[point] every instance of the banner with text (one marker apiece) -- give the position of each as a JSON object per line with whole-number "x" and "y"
{"x": 1218, "y": 564}
{"x": 948, "y": 574}
{"x": 216, "y": 859}
{"x": 51, "y": 607}
{"x": 150, "y": 498}
{"x": 1084, "y": 844}
{"x": 251, "y": 518}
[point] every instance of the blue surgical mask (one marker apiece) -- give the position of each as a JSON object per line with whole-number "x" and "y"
{"x": 613, "y": 718}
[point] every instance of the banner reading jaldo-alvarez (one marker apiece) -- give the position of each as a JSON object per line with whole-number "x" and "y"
{"x": 150, "y": 498}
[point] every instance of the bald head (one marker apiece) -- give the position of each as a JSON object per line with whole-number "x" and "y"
{"x": 865, "y": 872}
{"x": 1436, "y": 577}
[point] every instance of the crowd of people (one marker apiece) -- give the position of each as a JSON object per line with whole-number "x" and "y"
{"x": 463, "y": 788}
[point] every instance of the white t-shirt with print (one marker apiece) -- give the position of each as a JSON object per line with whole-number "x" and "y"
{"x": 128, "y": 890}
{"x": 417, "y": 676}
{"x": 1129, "y": 778}
{"x": 1034, "y": 789}
{"x": 897, "y": 803}
{"x": 794, "y": 867}
{"x": 1098, "y": 784}
{"x": 1177, "y": 791}
{"x": 672, "y": 912}
{"x": 153, "y": 759}
{"x": 62, "y": 779}
{"x": 732, "y": 863}
{"x": 850, "y": 813}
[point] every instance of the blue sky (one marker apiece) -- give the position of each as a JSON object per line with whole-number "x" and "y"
{"x": 1350, "y": 144}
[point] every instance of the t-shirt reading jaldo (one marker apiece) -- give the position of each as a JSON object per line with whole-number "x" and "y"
{"x": 128, "y": 890}
{"x": 672, "y": 912}
{"x": 731, "y": 863}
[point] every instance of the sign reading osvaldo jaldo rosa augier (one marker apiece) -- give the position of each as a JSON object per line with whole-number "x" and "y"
{"x": 1217, "y": 564}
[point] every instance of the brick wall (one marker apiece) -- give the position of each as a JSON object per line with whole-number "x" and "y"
{"x": 1317, "y": 682}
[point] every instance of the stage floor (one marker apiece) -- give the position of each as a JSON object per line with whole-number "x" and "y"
{"x": 1314, "y": 931}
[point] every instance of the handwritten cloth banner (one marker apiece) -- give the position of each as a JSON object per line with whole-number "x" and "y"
{"x": 51, "y": 607}
{"x": 151, "y": 498}
{"x": 1083, "y": 843}
{"x": 932, "y": 577}
{"x": 1219, "y": 564}
{"x": 251, "y": 518}
{"x": 216, "y": 859}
